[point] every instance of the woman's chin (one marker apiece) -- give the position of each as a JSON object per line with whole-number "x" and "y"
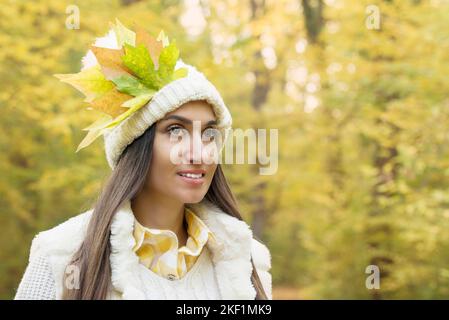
{"x": 193, "y": 198}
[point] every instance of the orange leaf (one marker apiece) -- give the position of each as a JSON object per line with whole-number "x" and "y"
{"x": 111, "y": 62}
{"x": 110, "y": 103}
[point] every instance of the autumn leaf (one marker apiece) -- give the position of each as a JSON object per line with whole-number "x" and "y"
{"x": 138, "y": 60}
{"x": 90, "y": 137}
{"x": 131, "y": 85}
{"x": 110, "y": 103}
{"x": 96, "y": 129}
{"x": 139, "y": 100}
{"x": 167, "y": 61}
{"x": 99, "y": 123}
{"x": 91, "y": 82}
{"x": 163, "y": 38}
{"x": 108, "y": 57}
{"x": 110, "y": 61}
{"x": 123, "y": 34}
{"x": 133, "y": 105}
{"x": 153, "y": 46}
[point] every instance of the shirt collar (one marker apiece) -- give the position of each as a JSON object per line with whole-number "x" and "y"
{"x": 197, "y": 230}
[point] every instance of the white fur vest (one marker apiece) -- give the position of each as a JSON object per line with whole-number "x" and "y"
{"x": 230, "y": 254}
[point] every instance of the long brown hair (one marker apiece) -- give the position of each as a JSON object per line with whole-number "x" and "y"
{"x": 124, "y": 183}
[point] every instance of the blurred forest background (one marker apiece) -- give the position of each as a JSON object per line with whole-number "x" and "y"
{"x": 362, "y": 114}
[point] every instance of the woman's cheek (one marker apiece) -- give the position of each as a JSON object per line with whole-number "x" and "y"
{"x": 211, "y": 174}
{"x": 168, "y": 151}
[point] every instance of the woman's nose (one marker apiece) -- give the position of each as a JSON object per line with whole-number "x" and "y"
{"x": 193, "y": 148}
{"x": 196, "y": 149}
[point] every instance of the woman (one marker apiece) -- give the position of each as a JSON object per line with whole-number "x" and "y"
{"x": 166, "y": 225}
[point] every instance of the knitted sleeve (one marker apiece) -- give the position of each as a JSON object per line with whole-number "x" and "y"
{"x": 37, "y": 282}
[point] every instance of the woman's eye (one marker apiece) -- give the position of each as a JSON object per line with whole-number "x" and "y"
{"x": 210, "y": 134}
{"x": 176, "y": 131}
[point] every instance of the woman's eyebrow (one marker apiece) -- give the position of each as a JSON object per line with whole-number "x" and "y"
{"x": 185, "y": 120}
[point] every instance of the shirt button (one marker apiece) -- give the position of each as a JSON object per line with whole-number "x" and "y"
{"x": 171, "y": 276}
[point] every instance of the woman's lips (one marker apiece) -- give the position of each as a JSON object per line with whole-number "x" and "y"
{"x": 192, "y": 179}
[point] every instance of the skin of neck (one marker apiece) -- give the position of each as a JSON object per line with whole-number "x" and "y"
{"x": 156, "y": 211}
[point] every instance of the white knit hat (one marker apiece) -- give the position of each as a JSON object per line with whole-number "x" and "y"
{"x": 194, "y": 86}
{"x": 191, "y": 86}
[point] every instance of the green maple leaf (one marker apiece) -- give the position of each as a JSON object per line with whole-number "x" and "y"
{"x": 138, "y": 60}
{"x": 167, "y": 61}
{"x": 131, "y": 85}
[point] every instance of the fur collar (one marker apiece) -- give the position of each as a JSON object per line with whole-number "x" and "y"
{"x": 231, "y": 252}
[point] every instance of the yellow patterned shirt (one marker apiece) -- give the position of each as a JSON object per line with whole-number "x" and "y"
{"x": 158, "y": 250}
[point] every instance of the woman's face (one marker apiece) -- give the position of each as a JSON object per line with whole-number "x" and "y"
{"x": 184, "y": 153}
